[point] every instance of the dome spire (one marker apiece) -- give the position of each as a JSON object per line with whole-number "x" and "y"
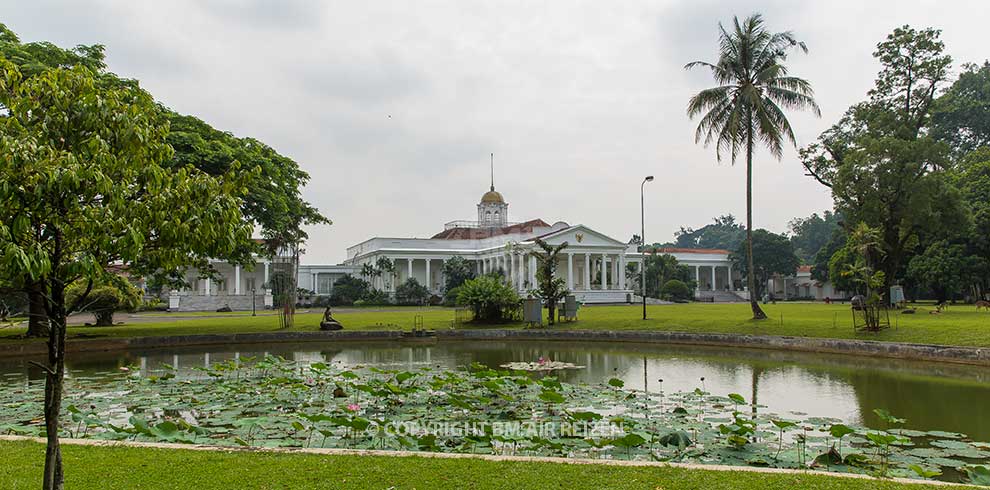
{"x": 493, "y": 172}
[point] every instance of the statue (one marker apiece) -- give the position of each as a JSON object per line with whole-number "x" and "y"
{"x": 328, "y": 322}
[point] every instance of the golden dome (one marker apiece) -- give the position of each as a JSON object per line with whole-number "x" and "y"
{"x": 492, "y": 196}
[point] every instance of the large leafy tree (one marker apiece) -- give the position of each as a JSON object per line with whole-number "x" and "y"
{"x": 273, "y": 182}
{"x": 746, "y": 108}
{"x": 883, "y": 167}
{"x": 86, "y": 185}
{"x": 456, "y": 271}
{"x": 772, "y": 254}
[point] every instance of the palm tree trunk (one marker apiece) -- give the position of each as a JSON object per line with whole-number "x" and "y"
{"x": 758, "y": 313}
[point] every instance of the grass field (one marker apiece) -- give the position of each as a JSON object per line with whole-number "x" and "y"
{"x": 149, "y": 469}
{"x": 961, "y": 325}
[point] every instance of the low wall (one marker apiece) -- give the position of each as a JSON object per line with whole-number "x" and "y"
{"x": 236, "y": 302}
{"x": 923, "y": 352}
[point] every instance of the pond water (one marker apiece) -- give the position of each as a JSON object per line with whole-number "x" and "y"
{"x": 929, "y": 395}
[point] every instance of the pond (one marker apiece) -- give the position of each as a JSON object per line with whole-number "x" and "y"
{"x": 812, "y": 390}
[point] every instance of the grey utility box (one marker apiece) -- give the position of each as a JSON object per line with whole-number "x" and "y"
{"x": 532, "y": 311}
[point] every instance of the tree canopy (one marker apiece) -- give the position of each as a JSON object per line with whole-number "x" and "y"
{"x": 883, "y": 167}
{"x": 772, "y": 254}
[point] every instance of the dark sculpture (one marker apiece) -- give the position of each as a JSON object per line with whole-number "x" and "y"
{"x": 328, "y": 322}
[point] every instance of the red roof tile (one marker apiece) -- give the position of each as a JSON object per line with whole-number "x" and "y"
{"x": 464, "y": 233}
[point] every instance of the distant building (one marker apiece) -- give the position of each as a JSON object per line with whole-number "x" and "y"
{"x": 593, "y": 265}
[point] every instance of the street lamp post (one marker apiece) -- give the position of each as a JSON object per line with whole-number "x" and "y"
{"x": 642, "y": 239}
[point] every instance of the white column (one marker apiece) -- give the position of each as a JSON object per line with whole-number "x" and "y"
{"x": 604, "y": 271}
{"x": 237, "y": 279}
{"x": 409, "y": 267}
{"x": 713, "y": 278}
{"x": 622, "y": 271}
{"x": 570, "y": 271}
{"x": 266, "y": 274}
{"x": 206, "y": 287}
{"x": 587, "y": 271}
{"x": 697, "y": 278}
{"x": 728, "y": 276}
{"x": 512, "y": 270}
{"x": 520, "y": 272}
{"x": 532, "y": 271}
{"x": 429, "y": 278}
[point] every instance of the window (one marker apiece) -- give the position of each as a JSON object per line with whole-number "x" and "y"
{"x": 248, "y": 284}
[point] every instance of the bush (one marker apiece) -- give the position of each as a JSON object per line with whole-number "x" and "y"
{"x": 675, "y": 290}
{"x": 347, "y": 290}
{"x": 104, "y": 298}
{"x": 375, "y": 297}
{"x": 411, "y": 292}
{"x": 490, "y": 299}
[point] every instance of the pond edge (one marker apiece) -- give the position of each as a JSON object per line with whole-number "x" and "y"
{"x": 897, "y": 350}
{"x": 484, "y": 457}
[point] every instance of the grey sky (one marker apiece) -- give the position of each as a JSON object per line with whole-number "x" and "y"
{"x": 578, "y": 100}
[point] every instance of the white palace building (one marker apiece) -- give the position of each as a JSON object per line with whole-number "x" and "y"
{"x": 593, "y": 264}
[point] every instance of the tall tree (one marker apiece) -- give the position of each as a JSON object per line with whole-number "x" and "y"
{"x": 93, "y": 191}
{"x": 747, "y": 105}
{"x": 273, "y": 201}
{"x": 550, "y": 288}
{"x": 882, "y": 166}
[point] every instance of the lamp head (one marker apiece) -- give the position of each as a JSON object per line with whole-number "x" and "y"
{"x": 649, "y": 178}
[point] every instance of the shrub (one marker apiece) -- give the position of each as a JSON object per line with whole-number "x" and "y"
{"x": 675, "y": 290}
{"x": 347, "y": 290}
{"x": 490, "y": 299}
{"x": 411, "y": 292}
{"x": 104, "y": 298}
{"x": 375, "y": 297}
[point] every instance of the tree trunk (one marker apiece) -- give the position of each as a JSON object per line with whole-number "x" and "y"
{"x": 758, "y": 313}
{"x": 53, "y": 478}
{"x": 37, "y": 316}
{"x": 104, "y": 318}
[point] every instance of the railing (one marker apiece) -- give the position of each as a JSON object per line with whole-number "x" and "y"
{"x": 476, "y": 224}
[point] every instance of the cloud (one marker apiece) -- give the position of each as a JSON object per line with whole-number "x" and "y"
{"x": 394, "y": 107}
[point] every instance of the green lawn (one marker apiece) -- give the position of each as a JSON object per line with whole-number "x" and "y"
{"x": 143, "y": 468}
{"x": 960, "y": 325}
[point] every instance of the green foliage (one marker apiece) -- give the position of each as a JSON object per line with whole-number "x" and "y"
{"x": 661, "y": 269}
{"x": 106, "y": 296}
{"x": 347, "y": 290}
{"x": 676, "y": 290}
{"x": 411, "y": 292}
{"x": 92, "y": 190}
{"x": 456, "y": 271}
{"x": 809, "y": 235}
{"x": 550, "y": 289}
{"x": 490, "y": 298}
{"x": 772, "y": 254}
{"x": 944, "y": 268}
{"x": 883, "y": 166}
{"x": 724, "y": 233}
{"x": 273, "y": 190}
{"x": 961, "y": 116}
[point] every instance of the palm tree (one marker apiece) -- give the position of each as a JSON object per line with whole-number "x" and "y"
{"x": 747, "y": 105}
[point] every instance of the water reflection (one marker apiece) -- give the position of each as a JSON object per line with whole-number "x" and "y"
{"x": 929, "y": 395}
